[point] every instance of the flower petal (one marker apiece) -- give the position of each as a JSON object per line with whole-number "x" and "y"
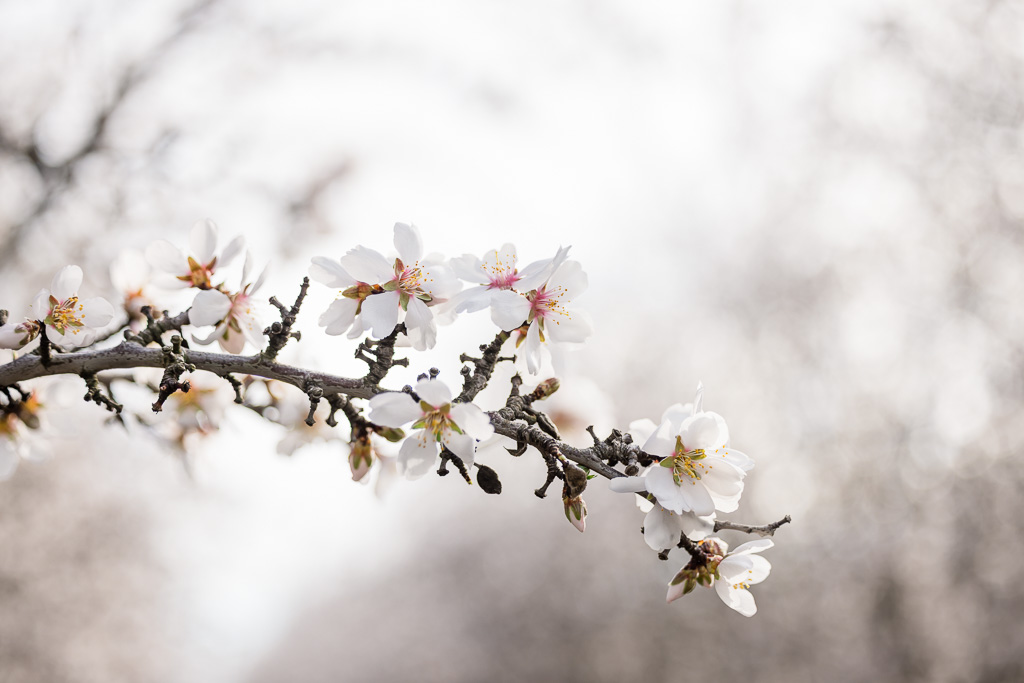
{"x": 330, "y": 272}
{"x": 166, "y": 257}
{"x": 419, "y": 321}
{"x": 66, "y": 283}
{"x": 393, "y": 409}
{"x": 367, "y": 265}
{"x": 739, "y": 599}
{"x": 662, "y": 442}
{"x": 209, "y": 307}
{"x": 661, "y": 529}
{"x": 203, "y": 240}
{"x": 628, "y": 484}
{"x": 509, "y": 310}
{"x": 469, "y": 268}
{"x": 434, "y": 391}
{"x": 461, "y": 445}
{"x": 231, "y": 252}
{"x": 570, "y": 327}
{"x": 472, "y": 420}
{"x": 380, "y": 313}
{"x": 661, "y": 484}
{"x": 408, "y": 243}
{"x": 755, "y": 546}
{"x": 704, "y": 430}
{"x": 96, "y": 312}
{"x": 417, "y": 455}
{"x": 339, "y": 316}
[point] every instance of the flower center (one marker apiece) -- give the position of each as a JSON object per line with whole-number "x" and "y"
{"x": 545, "y": 303}
{"x": 65, "y": 314}
{"x": 198, "y": 274}
{"x": 686, "y": 465}
{"x": 436, "y": 421}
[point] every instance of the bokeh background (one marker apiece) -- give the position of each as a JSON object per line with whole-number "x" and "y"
{"x": 814, "y": 208}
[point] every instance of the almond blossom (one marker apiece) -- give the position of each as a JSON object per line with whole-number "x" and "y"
{"x": 437, "y": 421}
{"x": 377, "y": 293}
{"x": 497, "y": 272}
{"x": 130, "y": 275}
{"x": 698, "y": 473}
{"x": 234, "y": 314}
{"x": 197, "y": 268}
{"x": 731, "y": 573}
{"x": 544, "y": 314}
{"x": 68, "y": 321}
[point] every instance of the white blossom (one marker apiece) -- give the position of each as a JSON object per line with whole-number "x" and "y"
{"x": 198, "y": 267}
{"x": 376, "y": 293}
{"x": 437, "y": 422}
{"x": 497, "y": 271}
{"x": 69, "y": 321}
{"x": 545, "y": 314}
{"x": 234, "y": 314}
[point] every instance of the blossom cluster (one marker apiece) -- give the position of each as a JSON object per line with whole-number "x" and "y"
{"x": 692, "y": 472}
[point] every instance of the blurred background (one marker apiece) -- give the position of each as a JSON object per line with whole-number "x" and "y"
{"x": 814, "y": 208}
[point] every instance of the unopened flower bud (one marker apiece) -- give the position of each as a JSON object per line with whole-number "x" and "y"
{"x": 576, "y": 512}
{"x": 360, "y": 457}
{"x": 546, "y": 388}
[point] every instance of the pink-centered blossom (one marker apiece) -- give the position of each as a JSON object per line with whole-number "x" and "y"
{"x": 498, "y": 271}
{"x": 234, "y": 314}
{"x": 376, "y": 293}
{"x": 545, "y": 315}
{"x": 436, "y": 422}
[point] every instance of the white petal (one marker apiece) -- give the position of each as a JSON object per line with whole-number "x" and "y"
{"x": 380, "y": 313}
{"x": 393, "y": 409}
{"x": 472, "y": 300}
{"x": 661, "y": 484}
{"x": 642, "y": 429}
{"x": 259, "y": 280}
{"x": 628, "y": 484}
{"x": 246, "y": 267}
{"x": 417, "y": 455}
{"x": 40, "y": 306}
{"x": 531, "y": 349}
{"x": 217, "y": 334}
{"x": 209, "y": 307}
{"x": 570, "y": 327}
{"x": 330, "y": 272}
{"x": 231, "y": 252}
{"x": 461, "y": 445}
{"x": 739, "y": 599}
{"x": 420, "y": 323}
{"x": 440, "y": 282}
{"x": 166, "y": 257}
{"x": 66, "y": 283}
{"x": 755, "y": 546}
{"x": 662, "y": 442}
{"x": 696, "y": 498}
{"x": 704, "y": 430}
{"x": 434, "y": 391}
{"x": 96, "y": 312}
{"x": 203, "y": 240}
{"x": 339, "y": 316}
{"x": 661, "y": 530}
{"x": 537, "y": 273}
{"x": 367, "y": 265}
{"x": 676, "y": 414}
{"x": 11, "y": 337}
{"x": 734, "y": 457}
{"x": 570, "y": 279}
{"x": 696, "y": 528}
{"x": 231, "y": 341}
{"x": 472, "y": 420}
{"x": 470, "y": 268}
{"x": 509, "y": 310}
{"x": 408, "y": 243}
{"x": 252, "y": 329}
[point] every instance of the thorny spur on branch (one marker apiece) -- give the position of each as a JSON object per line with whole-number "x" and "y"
{"x": 682, "y": 470}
